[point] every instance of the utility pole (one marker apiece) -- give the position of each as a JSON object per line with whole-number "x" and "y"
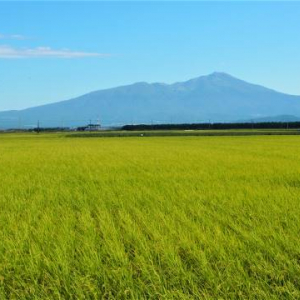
{"x": 20, "y": 124}
{"x": 38, "y": 126}
{"x": 98, "y": 121}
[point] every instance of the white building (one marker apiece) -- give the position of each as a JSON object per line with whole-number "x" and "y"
{"x": 93, "y": 127}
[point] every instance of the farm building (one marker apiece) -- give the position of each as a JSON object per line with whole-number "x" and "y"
{"x": 90, "y": 127}
{"x": 93, "y": 127}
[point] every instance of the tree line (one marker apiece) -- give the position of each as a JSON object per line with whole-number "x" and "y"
{"x": 207, "y": 126}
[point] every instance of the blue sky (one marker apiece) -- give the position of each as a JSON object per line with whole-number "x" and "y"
{"x": 52, "y": 51}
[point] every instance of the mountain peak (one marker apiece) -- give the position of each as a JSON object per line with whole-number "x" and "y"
{"x": 213, "y": 76}
{"x": 213, "y": 79}
{"x": 219, "y": 74}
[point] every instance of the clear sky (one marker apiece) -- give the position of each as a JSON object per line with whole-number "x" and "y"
{"x": 52, "y": 51}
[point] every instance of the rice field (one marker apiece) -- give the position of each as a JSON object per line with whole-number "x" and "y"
{"x": 149, "y": 218}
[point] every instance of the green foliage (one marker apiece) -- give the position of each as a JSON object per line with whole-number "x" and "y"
{"x": 214, "y": 126}
{"x": 153, "y": 218}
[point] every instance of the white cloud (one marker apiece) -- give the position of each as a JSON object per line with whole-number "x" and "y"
{"x": 19, "y": 37}
{"x": 11, "y": 52}
{"x": 13, "y": 37}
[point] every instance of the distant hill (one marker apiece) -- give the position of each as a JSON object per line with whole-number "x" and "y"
{"x": 281, "y": 118}
{"x": 217, "y": 97}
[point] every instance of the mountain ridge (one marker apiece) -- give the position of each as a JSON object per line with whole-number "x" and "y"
{"x": 216, "y": 97}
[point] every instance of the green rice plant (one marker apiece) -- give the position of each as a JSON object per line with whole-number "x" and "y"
{"x": 149, "y": 218}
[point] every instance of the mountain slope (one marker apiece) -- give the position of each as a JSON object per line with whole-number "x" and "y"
{"x": 280, "y": 118}
{"x": 216, "y": 97}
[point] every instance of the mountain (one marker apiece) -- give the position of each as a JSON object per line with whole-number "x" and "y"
{"x": 281, "y": 118}
{"x": 217, "y": 97}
